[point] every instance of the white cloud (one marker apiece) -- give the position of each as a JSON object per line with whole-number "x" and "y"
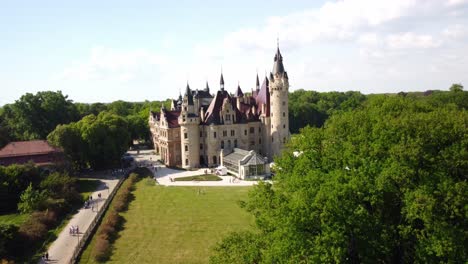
{"x": 107, "y": 63}
{"x": 410, "y": 40}
{"x": 455, "y": 31}
{"x": 457, "y": 2}
{"x": 367, "y": 45}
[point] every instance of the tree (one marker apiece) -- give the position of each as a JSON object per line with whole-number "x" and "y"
{"x": 31, "y": 200}
{"x": 456, "y": 87}
{"x": 68, "y": 137}
{"x": 386, "y": 183}
{"x": 35, "y": 116}
{"x": 98, "y": 141}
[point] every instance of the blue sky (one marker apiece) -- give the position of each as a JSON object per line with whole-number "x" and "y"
{"x": 148, "y": 50}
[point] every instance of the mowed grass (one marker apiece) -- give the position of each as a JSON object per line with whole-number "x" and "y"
{"x": 13, "y": 219}
{"x": 177, "y": 224}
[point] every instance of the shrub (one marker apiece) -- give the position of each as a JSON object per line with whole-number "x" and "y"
{"x": 107, "y": 230}
{"x": 8, "y": 234}
{"x": 113, "y": 218}
{"x": 48, "y": 218}
{"x": 32, "y": 230}
{"x": 101, "y": 250}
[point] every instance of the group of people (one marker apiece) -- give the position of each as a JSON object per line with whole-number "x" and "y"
{"x": 74, "y": 230}
{"x": 90, "y": 201}
{"x": 45, "y": 256}
{"x": 119, "y": 172}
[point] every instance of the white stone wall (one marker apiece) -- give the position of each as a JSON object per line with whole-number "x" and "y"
{"x": 190, "y": 142}
{"x": 279, "y": 114}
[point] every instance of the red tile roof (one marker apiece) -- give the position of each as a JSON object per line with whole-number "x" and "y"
{"x": 27, "y": 148}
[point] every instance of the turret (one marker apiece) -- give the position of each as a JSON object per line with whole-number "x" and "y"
{"x": 239, "y": 95}
{"x": 189, "y": 122}
{"x": 279, "y": 89}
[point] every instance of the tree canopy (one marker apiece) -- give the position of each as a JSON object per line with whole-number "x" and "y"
{"x": 386, "y": 183}
{"x": 33, "y": 116}
{"x": 96, "y": 141}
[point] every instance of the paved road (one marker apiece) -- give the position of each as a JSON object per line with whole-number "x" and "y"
{"x": 62, "y": 248}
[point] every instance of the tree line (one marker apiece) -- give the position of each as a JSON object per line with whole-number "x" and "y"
{"x": 108, "y": 128}
{"x": 384, "y": 183}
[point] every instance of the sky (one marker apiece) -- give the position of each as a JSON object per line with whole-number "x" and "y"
{"x": 102, "y": 51}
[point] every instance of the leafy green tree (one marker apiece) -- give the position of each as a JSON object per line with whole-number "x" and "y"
{"x": 35, "y": 116}
{"x": 31, "y": 200}
{"x": 8, "y": 234}
{"x": 456, "y": 87}
{"x": 97, "y": 141}
{"x": 386, "y": 183}
{"x": 14, "y": 179}
{"x": 68, "y": 137}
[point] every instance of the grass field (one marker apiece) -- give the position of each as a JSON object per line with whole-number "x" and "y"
{"x": 176, "y": 224}
{"x": 205, "y": 177}
{"x": 13, "y": 219}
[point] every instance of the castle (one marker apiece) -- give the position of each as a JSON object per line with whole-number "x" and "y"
{"x": 201, "y": 126}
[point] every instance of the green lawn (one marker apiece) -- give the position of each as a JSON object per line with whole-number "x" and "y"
{"x": 14, "y": 219}
{"x": 176, "y": 224}
{"x": 205, "y": 177}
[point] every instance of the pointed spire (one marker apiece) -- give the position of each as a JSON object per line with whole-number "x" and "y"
{"x": 278, "y": 67}
{"x": 257, "y": 84}
{"x": 239, "y": 92}
{"x": 207, "y": 88}
{"x": 189, "y": 94}
{"x": 187, "y": 90}
{"x": 221, "y": 81}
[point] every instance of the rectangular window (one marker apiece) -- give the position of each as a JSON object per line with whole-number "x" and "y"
{"x": 259, "y": 129}
{"x": 214, "y": 134}
{"x": 186, "y": 148}
{"x": 201, "y": 146}
{"x": 228, "y": 118}
{"x": 252, "y": 130}
{"x": 233, "y": 133}
{"x": 224, "y": 133}
{"x": 185, "y": 135}
{"x": 201, "y": 133}
{"x": 245, "y": 132}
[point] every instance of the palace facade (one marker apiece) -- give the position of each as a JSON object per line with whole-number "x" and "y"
{"x": 201, "y": 127}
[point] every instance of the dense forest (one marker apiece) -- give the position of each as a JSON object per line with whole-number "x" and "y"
{"x": 384, "y": 183}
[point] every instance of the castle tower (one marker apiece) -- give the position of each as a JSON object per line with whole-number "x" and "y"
{"x": 189, "y": 132}
{"x": 279, "y": 88}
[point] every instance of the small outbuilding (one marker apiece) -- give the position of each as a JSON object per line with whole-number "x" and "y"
{"x": 40, "y": 152}
{"x": 245, "y": 164}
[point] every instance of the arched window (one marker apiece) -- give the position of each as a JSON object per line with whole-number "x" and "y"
{"x": 222, "y": 144}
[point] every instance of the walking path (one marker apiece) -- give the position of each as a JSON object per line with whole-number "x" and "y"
{"x": 62, "y": 248}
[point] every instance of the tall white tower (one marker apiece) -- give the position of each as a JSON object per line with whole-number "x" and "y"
{"x": 279, "y": 88}
{"x": 189, "y": 132}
